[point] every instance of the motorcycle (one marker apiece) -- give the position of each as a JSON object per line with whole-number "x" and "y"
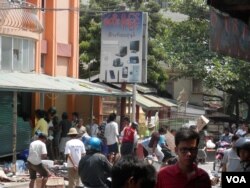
{"x": 222, "y": 147}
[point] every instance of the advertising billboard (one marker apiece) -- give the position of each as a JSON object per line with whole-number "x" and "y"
{"x": 124, "y": 47}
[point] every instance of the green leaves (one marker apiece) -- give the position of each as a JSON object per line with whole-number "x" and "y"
{"x": 180, "y": 46}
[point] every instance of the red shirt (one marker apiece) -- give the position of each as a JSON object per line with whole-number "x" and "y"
{"x": 172, "y": 177}
{"x": 128, "y": 134}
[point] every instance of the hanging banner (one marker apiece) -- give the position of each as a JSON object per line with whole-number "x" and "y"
{"x": 124, "y": 47}
{"x": 229, "y": 36}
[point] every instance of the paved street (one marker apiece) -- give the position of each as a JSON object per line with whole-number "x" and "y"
{"x": 208, "y": 167}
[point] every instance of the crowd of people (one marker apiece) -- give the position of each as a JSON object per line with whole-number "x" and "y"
{"x": 237, "y": 157}
{"x": 104, "y": 156}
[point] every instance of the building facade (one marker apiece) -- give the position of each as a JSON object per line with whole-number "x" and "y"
{"x": 36, "y": 37}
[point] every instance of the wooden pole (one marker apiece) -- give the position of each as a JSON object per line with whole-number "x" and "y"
{"x": 123, "y": 102}
{"x": 14, "y": 133}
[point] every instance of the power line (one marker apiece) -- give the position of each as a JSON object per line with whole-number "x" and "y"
{"x": 81, "y": 9}
{"x": 42, "y": 9}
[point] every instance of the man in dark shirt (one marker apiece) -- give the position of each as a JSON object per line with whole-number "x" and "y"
{"x": 104, "y": 148}
{"x": 64, "y": 126}
{"x": 129, "y": 172}
{"x": 94, "y": 168}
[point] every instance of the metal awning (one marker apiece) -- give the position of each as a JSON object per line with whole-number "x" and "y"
{"x": 30, "y": 82}
{"x": 146, "y": 103}
{"x": 160, "y": 100}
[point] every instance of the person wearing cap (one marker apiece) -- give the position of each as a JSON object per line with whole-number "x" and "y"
{"x": 129, "y": 137}
{"x": 243, "y": 150}
{"x": 38, "y": 152}
{"x": 74, "y": 150}
{"x": 94, "y": 167}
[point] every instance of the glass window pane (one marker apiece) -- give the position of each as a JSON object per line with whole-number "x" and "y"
{"x": 25, "y": 67}
{"x": 17, "y": 54}
{"x": 31, "y": 56}
{"x": 6, "y": 53}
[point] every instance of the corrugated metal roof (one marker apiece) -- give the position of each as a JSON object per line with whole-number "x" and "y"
{"x": 141, "y": 88}
{"x": 30, "y": 82}
{"x": 161, "y": 100}
{"x": 146, "y": 103}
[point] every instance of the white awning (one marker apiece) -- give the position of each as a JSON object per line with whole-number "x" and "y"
{"x": 30, "y": 82}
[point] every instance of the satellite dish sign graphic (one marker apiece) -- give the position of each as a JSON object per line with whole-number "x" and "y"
{"x": 124, "y": 47}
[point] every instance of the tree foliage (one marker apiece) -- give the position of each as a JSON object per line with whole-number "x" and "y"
{"x": 183, "y": 46}
{"x": 90, "y": 33}
{"x": 190, "y": 54}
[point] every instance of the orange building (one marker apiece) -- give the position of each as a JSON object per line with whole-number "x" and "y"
{"x": 39, "y": 62}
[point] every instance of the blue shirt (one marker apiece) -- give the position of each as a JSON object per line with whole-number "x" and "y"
{"x": 162, "y": 140}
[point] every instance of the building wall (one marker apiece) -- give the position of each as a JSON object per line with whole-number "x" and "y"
{"x": 187, "y": 84}
{"x": 181, "y": 84}
{"x": 60, "y": 39}
{"x": 63, "y": 20}
{"x": 61, "y": 106}
{"x": 62, "y": 66}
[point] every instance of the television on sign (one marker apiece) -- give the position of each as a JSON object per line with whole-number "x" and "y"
{"x": 134, "y": 60}
{"x": 122, "y": 51}
{"x": 134, "y": 46}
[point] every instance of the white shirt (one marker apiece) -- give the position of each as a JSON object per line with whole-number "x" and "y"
{"x": 232, "y": 160}
{"x": 93, "y": 130}
{"x": 240, "y": 132}
{"x": 36, "y": 150}
{"x": 111, "y": 133}
{"x": 75, "y": 148}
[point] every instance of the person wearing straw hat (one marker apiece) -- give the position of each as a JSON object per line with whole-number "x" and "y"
{"x": 74, "y": 150}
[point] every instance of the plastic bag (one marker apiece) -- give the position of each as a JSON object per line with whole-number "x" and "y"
{"x": 210, "y": 144}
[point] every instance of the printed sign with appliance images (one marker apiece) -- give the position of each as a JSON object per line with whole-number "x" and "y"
{"x": 124, "y": 47}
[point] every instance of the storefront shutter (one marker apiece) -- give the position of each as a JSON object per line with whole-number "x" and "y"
{"x": 6, "y": 124}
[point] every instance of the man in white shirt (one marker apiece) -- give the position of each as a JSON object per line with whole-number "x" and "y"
{"x": 74, "y": 150}
{"x": 111, "y": 134}
{"x": 37, "y": 152}
{"x": 94, "y": 128}
{"x": 231, "y": 161}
